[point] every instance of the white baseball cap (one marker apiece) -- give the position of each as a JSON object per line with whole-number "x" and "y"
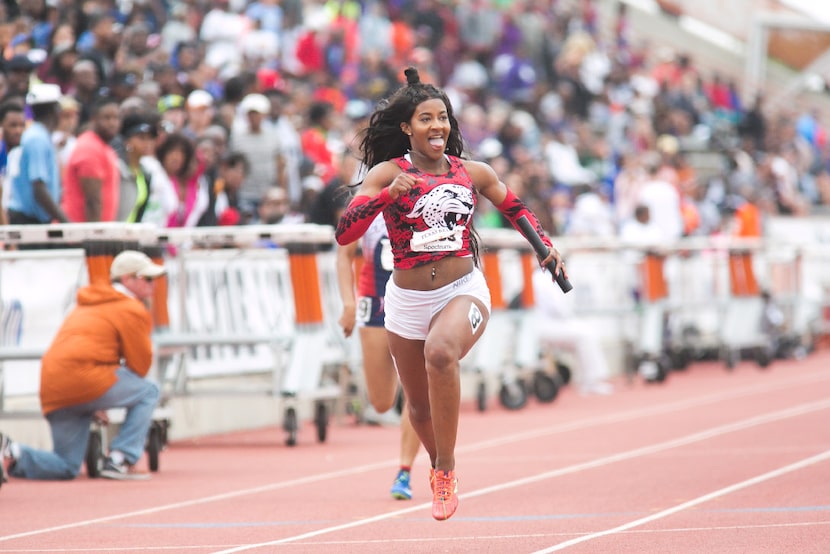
{"x": 43, "y": 93}
{"x": 132, "y": 262}
{"x": 199, "y": 99}
{"x": 255, "y": 103}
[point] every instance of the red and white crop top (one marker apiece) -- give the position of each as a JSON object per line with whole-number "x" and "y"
{"x": 432, "y": 220}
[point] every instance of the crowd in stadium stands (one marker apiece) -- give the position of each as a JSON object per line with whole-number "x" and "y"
{"x": 231, "y": 112}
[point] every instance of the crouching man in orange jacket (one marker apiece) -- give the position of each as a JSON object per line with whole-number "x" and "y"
{"x": 97, "y": 361}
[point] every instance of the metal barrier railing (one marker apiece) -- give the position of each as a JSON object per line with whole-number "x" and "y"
{"x": 278, "y": 280}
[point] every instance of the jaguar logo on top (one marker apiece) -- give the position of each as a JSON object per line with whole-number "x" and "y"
{"x": 446, "y": 210}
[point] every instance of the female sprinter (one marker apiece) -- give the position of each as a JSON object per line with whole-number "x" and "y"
{"x": 437, "y": 301}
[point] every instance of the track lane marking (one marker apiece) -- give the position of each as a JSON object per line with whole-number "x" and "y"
{"x": 427, "y": 539}
{"x": 801, "y": 464}
{"x": 630, "y": 415}
{"x": 591, "y": 464}
{"x": 648, "y": 411}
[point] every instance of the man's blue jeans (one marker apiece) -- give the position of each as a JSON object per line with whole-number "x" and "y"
{"x": 70, "y": 430}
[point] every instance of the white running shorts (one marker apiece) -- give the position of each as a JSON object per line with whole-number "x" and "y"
{"x": 409, "y": 312}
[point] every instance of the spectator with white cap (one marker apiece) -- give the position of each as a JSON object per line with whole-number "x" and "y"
{"x": 36, "y": 189}
{"x": 200, "y": 111}
{"x": 258, "y": 142}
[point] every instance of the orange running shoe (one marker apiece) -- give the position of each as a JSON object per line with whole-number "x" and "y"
{"x": 444, "y": 495}
{"x": 432, "y": 479}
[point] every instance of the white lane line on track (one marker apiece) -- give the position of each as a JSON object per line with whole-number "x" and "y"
{"x": 649, "y": 411}
{"x": 801, "y": 464}
{"x": 670, "y": 407}
{"x": 598, "y": 462}
{"x": 424, "y": 540}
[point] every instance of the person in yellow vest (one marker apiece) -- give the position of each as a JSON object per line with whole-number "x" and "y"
{"x": 97, "y": 361}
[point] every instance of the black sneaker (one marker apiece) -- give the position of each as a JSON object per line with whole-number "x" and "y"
{"x": 122, "y": 472}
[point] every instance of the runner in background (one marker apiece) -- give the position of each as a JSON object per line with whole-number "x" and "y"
{"x": 367, "y": 312}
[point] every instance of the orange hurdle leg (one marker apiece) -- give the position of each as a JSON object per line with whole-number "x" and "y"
{"x": 492, "y": 274}
{"x": 161, "y": 315}
{"x": 99, "y": 255}
{"x": 305, "y": 281}
{"x": 741, "y": 275}
{"x": 654, "y": 281}
{"x": 529, "y": 265}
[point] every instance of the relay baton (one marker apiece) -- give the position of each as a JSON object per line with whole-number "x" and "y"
{"x": 542, "y": 251}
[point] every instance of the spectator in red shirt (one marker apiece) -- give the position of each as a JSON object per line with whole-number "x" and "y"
{"x": 91, "y": 179}
{"x": 310, "y": 48}
{"x": 314, "y": 139}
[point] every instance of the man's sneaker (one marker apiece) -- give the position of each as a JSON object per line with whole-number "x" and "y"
{"x": 5, "y": 453}
{"x": 122, "y": 472}
{"x": 400, "y": 488}
{"x": 445, "y": 495}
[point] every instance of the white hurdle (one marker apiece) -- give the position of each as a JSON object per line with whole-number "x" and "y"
{"x": 242, "y": 302}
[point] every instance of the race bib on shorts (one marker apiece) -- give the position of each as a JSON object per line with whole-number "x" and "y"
{"x": 364, "y": 309}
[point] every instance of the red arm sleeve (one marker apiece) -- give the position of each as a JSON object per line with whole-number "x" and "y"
{"x": 359, "y": 215}
{"x": 513, "y": 208}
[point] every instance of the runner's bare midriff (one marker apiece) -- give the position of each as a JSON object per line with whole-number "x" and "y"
{"x": 434, "y": 274}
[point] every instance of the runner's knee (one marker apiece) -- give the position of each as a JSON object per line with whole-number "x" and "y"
{"x": 441, "y": 355}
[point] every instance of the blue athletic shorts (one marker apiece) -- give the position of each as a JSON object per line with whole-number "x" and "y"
{"x": 370, "y": 312}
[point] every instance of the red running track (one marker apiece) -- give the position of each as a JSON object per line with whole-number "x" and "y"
{"x": 709, "y": 462}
